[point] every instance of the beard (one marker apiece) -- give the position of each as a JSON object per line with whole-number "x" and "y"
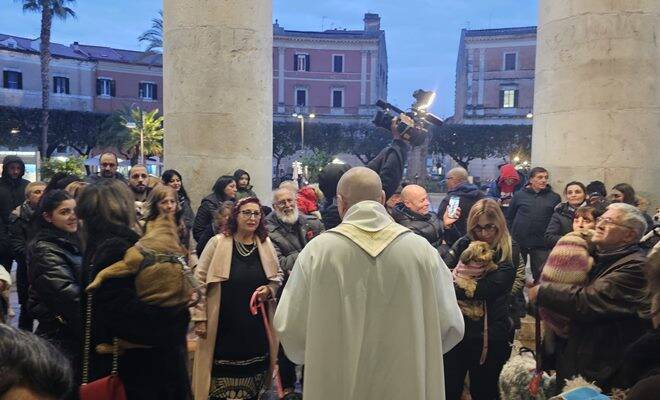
{"x": 288, "y": 219}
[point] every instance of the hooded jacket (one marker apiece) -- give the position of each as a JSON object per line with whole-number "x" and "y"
{"x": 468, "y": 195}
{"x": 529, "y": 216}
{"x": 427, "y": 226}
{"x": 246, "y": 191}
{"x": 328, "y": 180}
{"x": 12, "y": 191}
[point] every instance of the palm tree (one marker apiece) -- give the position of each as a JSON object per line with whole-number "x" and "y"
{"x": 48, "y": 10}
{"x": 154, "y": 36}
{"x": 145, "y": 133}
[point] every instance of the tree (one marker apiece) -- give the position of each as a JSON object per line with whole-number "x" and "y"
{"x": 284, "y": 141}
{"x": 154, "y": 36}
{"x": 465, "y": 143}
{"x": 147, "y": 134}
{"x": 48, "y": 10}
{"x": 365, "y": 141}
{"x": 72, "y": 166}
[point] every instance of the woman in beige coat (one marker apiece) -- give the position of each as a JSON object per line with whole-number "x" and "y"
{"x": 234, "y": 358}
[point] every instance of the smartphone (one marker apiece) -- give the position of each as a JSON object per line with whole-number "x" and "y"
{"x": 453, "y": 206}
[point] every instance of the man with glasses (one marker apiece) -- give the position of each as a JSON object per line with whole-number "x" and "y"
{"x": 605, "y": 314}
{"x": 108, "y": 163}
{"x": 468, "y": 194}
{"x": 289, "y": 231}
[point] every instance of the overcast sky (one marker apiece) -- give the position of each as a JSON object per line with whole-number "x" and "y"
{"x": 422, "y": 35}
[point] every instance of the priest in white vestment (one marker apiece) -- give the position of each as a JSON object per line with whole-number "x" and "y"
{"x": 370, "y": 307}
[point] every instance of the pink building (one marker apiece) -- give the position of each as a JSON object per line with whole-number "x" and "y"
{"x": 495, "y": 82}
{"x": 124, "y": 78}
{"x": 336, "y": 74}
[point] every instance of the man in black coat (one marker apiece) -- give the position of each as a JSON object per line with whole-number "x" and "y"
{"x": 328, "y": 180}
{"x": 289, "y": 231}
{"x": 21, "y": 231}
{"x": 108, "y": 164}
{"x": 12, "y": 194}
{"x": 529, "y": 214}
{"x": 468, "y": 194}
{"x": 413, "y": 213}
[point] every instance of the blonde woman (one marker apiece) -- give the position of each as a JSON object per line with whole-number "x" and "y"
{"x": 234, "y": 358}
{"x": 483, "y": 359}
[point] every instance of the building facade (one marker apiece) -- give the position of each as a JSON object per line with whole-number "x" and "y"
{"x": 495, "y": 83}
{"x": 338, "y": 75}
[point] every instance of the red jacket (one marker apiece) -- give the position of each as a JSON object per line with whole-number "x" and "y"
{"x": 307, "y": 200}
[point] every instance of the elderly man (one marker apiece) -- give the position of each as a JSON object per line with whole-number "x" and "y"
{"x": 289, "y": 232}
{"x": 138, "y": 182}
{"x": 413, "y": 213}
{"x": 108, "y": 163}
{"x": 370, "y": 307}
{"x": 467, "y": 194}
{"x": 604, "y": 314}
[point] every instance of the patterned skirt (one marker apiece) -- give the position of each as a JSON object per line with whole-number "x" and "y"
{"x": 238, "y": 379}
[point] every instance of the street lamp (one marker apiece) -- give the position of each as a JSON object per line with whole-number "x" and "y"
{"x": 302, "y": 117}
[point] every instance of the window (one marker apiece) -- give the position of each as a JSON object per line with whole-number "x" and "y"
{"x": 148, "y": 91}
{"x": 105, "y": 87}
{"x": 301, "y": 97}
{"x": 12, "y": 79}
{"x": 508, "y": 98}
{"x": 301, "y": 62}
{"x": 337, "y": 63}
{"x": 337, "y": 98}
{"x": 509, "y": 61}
{"x": 60, "y": 85}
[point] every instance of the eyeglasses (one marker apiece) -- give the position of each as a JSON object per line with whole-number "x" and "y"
{"x": 250, "y": 214}
{"x": 285, "y": 202}
{"x": 487, "y": 228}
{"x": 609, "y": 221}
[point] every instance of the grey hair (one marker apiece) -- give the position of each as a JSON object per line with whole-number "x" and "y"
{"x": 459, "y": 172}
{"x": 631, "y": 217}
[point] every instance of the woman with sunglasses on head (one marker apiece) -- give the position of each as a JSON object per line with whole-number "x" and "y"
{"x": 234, "y": 358}
{"x": 486, "y": 344}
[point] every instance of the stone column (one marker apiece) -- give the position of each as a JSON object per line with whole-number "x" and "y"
{"x": 218, "y": 91}
{"x": 597, "y": 98}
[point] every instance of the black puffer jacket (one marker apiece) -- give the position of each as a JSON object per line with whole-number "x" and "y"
{"x": 12, "y": 191}
{"x": 21, "y": 232}
{"x": 330, "y": 214}
{"x": 54, "y": 272}
{"x": 560, "y": 224}
{"x": 118, "y": 312}
{"x": 428, "y": 226}
{"x": 494, "y": 288}
{"x": 328, "y": 180}
{"x": 289, "y": 240}
{"x": 468, "y": 195}
{"x": 204, "y": 217}
{"x": 529, "y": 215}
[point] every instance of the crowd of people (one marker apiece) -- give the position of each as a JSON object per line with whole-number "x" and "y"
{"x": 393, "y": 301}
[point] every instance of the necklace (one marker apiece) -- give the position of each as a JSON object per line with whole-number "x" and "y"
{"x": 245, "y": 249}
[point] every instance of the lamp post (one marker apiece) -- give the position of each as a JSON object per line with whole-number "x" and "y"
{"x": 302, "y": 117}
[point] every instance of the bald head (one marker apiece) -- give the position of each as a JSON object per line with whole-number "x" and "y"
{"x": 359, "y": 184}
{"x": 416, "y": 199}
{"x": 456, "y": 176}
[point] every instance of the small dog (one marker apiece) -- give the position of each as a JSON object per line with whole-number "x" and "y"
{"x": 475, "y": 262}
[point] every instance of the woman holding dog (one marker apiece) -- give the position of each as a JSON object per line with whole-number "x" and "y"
{"x": 486, "y": 345}
{"x": 234, "y": 358}
{"x": 155, "y": 367}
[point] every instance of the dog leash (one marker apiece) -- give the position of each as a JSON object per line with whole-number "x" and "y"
{"x": 257, "y": 305}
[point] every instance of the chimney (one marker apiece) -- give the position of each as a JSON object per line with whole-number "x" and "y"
{"x": 371, "y": 22}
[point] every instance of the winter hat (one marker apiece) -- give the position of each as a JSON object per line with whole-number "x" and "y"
{"x": 569, "y": 262}
{"x": 508, "y": 171}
